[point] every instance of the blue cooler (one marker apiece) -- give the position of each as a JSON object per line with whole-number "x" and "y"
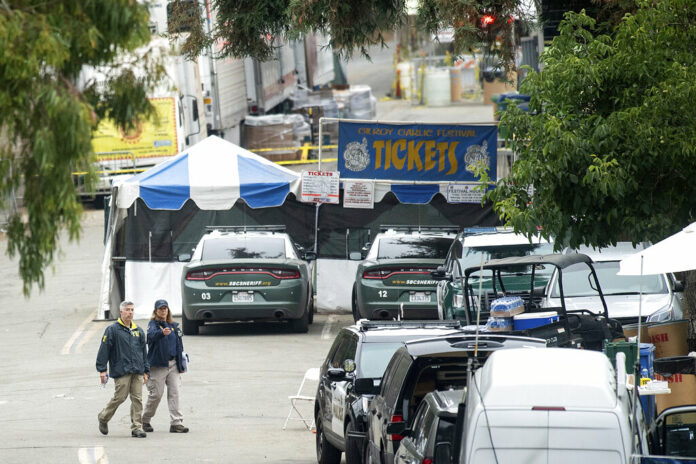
{"x": 532, "y": 320}
{"x": 647, "y": 361}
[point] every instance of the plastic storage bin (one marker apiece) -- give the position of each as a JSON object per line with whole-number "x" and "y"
{"x": 647, "y": 361}
{"x": 531, "y": 320}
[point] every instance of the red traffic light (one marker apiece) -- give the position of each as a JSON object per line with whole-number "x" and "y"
{"x": 487, "y": 19}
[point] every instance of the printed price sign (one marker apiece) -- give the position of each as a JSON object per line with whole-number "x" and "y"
{"x": 320, "y": 187}
{"x": 359, "y": 195}
{"x": 464, "y": 193}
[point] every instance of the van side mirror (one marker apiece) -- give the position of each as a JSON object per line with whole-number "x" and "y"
{"x": 336, "y": 373}
{"x": 364, "y": 386}
{"x": 396, "y": 428}
{"x": 440, "y": 274}
{"x": 443, "y": 452}
{"x": 184, "y": 257}
{"x": 309, "y": 256}
{"x": 678, "y": 286}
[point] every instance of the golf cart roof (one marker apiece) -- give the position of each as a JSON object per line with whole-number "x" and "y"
{"x": 561, "y": 261}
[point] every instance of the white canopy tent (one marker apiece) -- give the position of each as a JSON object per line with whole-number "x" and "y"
{"x": 676, "y": 253}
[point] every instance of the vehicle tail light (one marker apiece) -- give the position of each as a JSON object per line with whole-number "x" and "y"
{"x": 427, "y": 461}
{"x": 383, "y": 273}
{"x": 285, "y": 273}
{"x": 201, "y": 274}
{"x": 205, "y": 274}
{"x": 548, "y": 408}
{"x": 375, "y": 274}
{"x": 458, "y": 300}
{"x": 396, "y": 418}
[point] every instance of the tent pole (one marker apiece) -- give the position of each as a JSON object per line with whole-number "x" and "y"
{"x": 321, "y": 123}
{"x": 316, "y": 226}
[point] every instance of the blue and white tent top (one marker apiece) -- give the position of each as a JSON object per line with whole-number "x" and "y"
{"x": 214, "y": 173}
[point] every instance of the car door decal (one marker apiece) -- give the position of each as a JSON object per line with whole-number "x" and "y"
{"x": 338, "y": 402}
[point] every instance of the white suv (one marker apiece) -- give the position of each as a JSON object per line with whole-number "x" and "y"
{"x": 662, "y": 293}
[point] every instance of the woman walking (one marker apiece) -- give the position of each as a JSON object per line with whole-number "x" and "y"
{"x": 165, "y": 355}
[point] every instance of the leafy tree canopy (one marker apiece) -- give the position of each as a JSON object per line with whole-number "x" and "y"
{"x": 47, "y": 114}
{"x": 609, "y": 145}
{"x": 252, "y": 27}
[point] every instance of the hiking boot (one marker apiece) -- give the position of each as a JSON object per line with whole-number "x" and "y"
{"x": 138, "y": 434}
{"x": 147, "y": 427}
{"x": 103, "y": 428}
{"x": 178, "y": 429}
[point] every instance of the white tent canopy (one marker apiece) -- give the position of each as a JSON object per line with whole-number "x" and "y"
{"x": 676, "y": 253}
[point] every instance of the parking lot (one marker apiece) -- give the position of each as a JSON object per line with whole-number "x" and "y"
{"x": 235, "y": 394}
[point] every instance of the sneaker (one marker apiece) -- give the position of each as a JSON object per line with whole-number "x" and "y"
{"x": 147, "y": 427}
{"x": 178, "y": 429}
{"x": 103, "y": 428}
{"x": 138, "y": 434}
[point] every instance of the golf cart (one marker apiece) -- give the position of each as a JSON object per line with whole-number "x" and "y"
{"x": 579, "y": 328}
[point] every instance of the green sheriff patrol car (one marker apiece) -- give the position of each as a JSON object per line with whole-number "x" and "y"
{"x": 394, "y": 280}
{"x": 246, "y": 273}
{"x": 474, "y": 246}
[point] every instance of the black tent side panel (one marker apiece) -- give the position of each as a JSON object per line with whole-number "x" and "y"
{"x": 161, "y": 235}
{"x": 344, "y": 230}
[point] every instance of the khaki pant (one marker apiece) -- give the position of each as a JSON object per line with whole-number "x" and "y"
{"x": 159, "y": 378}
{"x": 128, "y": 384}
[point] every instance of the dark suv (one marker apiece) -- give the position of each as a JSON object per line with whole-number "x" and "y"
{"x": 359, "y": 352}
{"x": 432, "y": 435}
{"x": 418, "y": 368}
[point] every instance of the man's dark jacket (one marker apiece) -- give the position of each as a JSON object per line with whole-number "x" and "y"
{"x": 125, "y": 350}
{"x": 158, "y": 345}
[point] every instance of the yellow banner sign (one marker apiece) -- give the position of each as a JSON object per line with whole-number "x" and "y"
{"x": 154, "y": 137}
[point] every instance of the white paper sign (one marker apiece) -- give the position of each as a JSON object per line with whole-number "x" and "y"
{"x": 320, "y": 187}
{"x": 463, "y": 193}
{"x": 359, "y": 195}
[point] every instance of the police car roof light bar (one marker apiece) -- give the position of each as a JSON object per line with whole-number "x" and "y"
{"x": 366, "y": 325}
{"x": 271, "y": 228}
{"x": 422, "y": 228}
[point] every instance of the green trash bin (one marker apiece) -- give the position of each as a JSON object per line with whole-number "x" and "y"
{"x": 629, "y": 349}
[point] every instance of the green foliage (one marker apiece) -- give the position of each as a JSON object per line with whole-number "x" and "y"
{"x": 610, "y": 151}
{"x": 254, "y": 27}
{"x": 46, "y": 122}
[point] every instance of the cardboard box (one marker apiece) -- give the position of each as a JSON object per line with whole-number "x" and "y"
{"x": 669, "y": 338}
{"x": 683, "y": 388}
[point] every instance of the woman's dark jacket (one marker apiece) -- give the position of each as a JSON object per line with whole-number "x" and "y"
{"x": 158, "y": 345}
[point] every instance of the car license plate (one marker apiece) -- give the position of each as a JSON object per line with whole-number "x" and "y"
{"x": 419, "y": 297}
{"x": 243, "y": 297}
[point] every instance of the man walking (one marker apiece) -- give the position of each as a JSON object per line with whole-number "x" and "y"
{"x": 124, "y": 348}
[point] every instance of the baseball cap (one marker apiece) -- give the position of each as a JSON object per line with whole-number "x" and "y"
{"x": 160, "y": 303}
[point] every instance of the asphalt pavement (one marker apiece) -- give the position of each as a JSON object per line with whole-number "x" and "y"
{"x": 234, "y": 397}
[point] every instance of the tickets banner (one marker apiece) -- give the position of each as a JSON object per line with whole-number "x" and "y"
{"x": 417, "y": 152}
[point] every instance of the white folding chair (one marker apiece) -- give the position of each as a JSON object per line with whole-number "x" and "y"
{"x": 312, "y": 374}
